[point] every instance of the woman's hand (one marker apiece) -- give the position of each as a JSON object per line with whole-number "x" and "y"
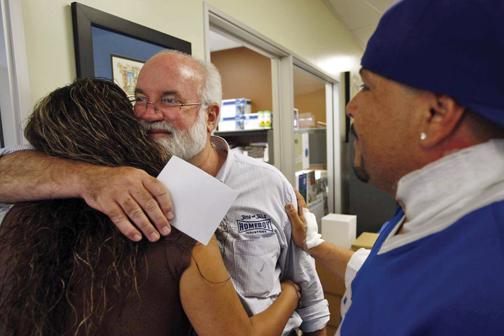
{"x": 291, "y": 287}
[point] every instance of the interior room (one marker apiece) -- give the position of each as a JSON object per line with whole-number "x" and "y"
{"x": 288, "y": 69}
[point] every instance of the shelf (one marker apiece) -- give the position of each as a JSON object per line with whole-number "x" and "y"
{"x": 309, "y": 130}
{"x": 245, "y": 133}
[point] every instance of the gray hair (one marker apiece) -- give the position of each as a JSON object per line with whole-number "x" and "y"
{"x": 211, "y": 90}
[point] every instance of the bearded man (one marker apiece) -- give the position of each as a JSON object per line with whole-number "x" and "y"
{"x": 177, "y": 99}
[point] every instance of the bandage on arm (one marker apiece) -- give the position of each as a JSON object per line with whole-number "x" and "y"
{"x": 313, "y": 238}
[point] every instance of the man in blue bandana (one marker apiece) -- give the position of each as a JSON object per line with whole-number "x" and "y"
{"x": 429, "y": 126}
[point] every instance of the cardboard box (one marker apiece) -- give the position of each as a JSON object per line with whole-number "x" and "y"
{"x": 334, "y": 309}
{"x": 365, "y": 240}
{"x": 230, "y": 108}
{"x": 228, "y": 124}
{"x": 334, "y": 288}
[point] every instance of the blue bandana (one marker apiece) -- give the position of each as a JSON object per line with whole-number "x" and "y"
{"x": 452, "y": 47}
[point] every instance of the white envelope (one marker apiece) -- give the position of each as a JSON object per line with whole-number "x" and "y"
{"x": 200, "y": 201}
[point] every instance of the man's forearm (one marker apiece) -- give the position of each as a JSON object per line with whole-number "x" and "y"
{"x": 29, "y": 175}
{"x": 332, "y": 257}
{"x": 133, "y": 200}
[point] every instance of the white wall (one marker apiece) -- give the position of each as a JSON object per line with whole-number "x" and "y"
{"x": 305, "y": 27}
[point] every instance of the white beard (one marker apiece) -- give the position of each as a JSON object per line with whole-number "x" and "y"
{"x": 184, "y": 144}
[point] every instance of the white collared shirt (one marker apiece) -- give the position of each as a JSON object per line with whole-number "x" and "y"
{"x": 256, "y": 244}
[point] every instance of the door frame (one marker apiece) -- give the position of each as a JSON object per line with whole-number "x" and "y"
{"x": 283, "y": 61}
{"x": 15, "y": 98}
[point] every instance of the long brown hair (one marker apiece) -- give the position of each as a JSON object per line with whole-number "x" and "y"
{"x": 53, "y": 250}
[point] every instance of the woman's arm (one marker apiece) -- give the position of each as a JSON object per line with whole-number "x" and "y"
{"x": 213, "y": 307}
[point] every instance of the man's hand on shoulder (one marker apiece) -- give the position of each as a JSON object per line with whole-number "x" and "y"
{"x": 297, "y": 221}
{"x": 131, "y": 198}
{"x": 304, "y": 225}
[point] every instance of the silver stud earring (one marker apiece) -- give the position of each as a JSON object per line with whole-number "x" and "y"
{"x": 423, "y": 136}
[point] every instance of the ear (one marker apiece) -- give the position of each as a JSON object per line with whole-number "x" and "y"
{"x": 440, "y": 121}
{"x": 213, "y": 112}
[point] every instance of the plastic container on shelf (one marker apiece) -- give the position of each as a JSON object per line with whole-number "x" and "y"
{"x": 296, "y": 118}
{"x": 306, "y": 120}
{"x": 264, "y": 119}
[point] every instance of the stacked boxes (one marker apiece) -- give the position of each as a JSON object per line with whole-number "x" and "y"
{"x": 236, "y": 115}
{"x": 233, "y": 112}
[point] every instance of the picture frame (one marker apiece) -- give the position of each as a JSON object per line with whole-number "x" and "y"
{"x": 125, "y": 72}
{"x": 1, "y": 132}
{"x": 347, "y": 100}
{"x": 99, "y": 35}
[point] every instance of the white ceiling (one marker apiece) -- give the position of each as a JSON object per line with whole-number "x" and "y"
{"x": 360, "y": 16}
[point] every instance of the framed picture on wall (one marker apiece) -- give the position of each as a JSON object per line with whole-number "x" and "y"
{"x": 100, "y": 38}
{"x": 347, "y": 100}
{"x": 1, "y": 131}
{"x": 125, "y": 72}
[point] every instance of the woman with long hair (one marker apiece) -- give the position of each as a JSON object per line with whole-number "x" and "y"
{"x": 66, "y": 270}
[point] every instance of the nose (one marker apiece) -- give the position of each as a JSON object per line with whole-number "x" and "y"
{"x": 351, "y": 108}
{"x": 149, "y": 113}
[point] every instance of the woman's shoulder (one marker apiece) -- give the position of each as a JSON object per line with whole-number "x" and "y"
{"x": 178, "y": 240}
{"x": 171, "y": 253}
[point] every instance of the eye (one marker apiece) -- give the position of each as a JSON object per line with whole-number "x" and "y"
{"x": 141, "y": 99}
{"x": 169, "y": 100}
{"x": 363, "y": 87}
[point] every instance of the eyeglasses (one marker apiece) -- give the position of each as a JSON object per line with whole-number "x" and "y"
{"x": 141, "y": 103}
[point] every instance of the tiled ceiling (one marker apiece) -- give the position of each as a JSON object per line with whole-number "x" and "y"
{"x": 360, "y": 16}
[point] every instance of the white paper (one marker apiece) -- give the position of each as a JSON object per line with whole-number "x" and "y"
{"x": 200, "y": 201}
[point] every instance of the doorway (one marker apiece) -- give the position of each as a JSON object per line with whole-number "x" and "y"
{"x": 279, "y": 93}
{"x": 15, "y": 100}
{"x": 247, "y": 96}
